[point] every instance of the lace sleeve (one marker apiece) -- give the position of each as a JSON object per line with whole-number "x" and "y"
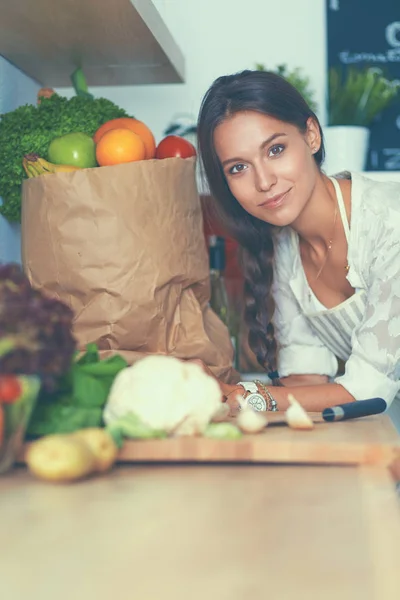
{"x": 373, "y": 368}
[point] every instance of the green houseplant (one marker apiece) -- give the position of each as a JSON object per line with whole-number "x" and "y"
{"x": 357, "y": 96}
{"x": 296, "y": 77}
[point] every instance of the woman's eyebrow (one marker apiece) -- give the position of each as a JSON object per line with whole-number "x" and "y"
{"x": 263, "y": 145}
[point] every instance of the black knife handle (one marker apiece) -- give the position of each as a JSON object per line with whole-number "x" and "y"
{"x": 353, "y": 410}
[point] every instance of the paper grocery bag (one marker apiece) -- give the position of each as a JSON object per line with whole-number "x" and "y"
{"x": 124, "y": 247}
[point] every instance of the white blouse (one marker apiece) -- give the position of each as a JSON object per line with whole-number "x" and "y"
{"x": 370, "y": 319}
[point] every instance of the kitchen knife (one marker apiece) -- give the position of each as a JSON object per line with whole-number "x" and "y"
{"x": 354, "y": 410}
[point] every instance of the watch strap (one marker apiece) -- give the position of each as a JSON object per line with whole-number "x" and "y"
{"x": 249, "y": 386}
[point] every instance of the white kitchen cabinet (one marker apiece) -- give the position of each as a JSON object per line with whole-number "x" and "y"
{"x": 118, "y": 42}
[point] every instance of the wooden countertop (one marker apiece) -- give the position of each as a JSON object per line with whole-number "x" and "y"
{"x": 371, "y": 440}
{"x": 203, "y": 533}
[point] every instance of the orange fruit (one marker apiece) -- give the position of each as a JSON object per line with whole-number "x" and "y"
{"x": 119, "y": 146}
{"x": 134, "y": 125}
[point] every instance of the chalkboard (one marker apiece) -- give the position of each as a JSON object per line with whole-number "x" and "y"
{"x": 367, "y": 33}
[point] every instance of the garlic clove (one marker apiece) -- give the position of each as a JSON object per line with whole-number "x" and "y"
{"x": 250, "y": 421}
{"x": 296, "y": 416}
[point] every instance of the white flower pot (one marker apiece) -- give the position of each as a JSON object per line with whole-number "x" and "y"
{"x": 346, "y": 148}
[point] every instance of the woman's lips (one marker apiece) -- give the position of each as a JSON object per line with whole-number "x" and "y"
{"x": 275, "y": 201}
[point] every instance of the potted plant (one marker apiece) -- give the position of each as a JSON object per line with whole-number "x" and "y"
{"x": 297, "y": 79}
{"x": 356, "y": 98}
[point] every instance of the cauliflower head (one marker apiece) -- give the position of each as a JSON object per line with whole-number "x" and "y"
{"x": 166, "y": 394}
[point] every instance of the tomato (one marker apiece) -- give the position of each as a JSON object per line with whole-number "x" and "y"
{"x": 174, "y": 146}
{"x": 10, "y": 389}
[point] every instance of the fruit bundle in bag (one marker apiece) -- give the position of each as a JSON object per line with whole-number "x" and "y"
{"x": 124, "y": 247}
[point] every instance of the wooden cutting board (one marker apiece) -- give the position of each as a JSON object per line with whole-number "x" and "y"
{"x": 370, "y": 440}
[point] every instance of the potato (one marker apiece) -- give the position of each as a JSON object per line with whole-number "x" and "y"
{"x": 60, "y": 458}
{"x": 101, "y": 445}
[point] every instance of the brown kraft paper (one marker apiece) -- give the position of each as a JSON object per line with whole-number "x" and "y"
{"x": 124, "y": 247}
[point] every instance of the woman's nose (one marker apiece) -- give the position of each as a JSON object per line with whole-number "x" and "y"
{"x": 264, "y": 178}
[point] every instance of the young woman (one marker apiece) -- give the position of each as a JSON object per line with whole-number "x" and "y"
{"x": 320, "y": 255}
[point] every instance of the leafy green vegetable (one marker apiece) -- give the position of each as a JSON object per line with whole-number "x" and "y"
{"x": 63, "y": 416}
{"x": 91, "y": 356}
{"x": 223, "y": 431}
{"x": 116, "y": 435}
{"x": 30, "y": 129}
{"x": 80, "y": 397}
{"x": 130, "y": 426}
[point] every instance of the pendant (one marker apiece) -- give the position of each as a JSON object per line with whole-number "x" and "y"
{"x": 347, "y": 267}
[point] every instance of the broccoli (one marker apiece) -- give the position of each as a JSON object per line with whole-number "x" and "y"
{"x": 31, "y": 128}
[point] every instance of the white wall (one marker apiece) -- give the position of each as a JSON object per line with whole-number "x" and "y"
{"x": 218, "y": 37}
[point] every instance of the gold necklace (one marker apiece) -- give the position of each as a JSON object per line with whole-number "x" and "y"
{"x": 330, "y": 243}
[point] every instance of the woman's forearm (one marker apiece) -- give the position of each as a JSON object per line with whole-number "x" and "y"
{"x": 314, "y": 398}
{"x": 300, "y": 380}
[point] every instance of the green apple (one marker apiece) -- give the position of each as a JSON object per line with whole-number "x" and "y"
{"x": 76, "y": 149}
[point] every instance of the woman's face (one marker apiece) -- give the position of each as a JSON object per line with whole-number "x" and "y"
{"x": 268, "y": 164}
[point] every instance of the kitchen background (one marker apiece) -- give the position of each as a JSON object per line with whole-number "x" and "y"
{"x": 215, "y": 37}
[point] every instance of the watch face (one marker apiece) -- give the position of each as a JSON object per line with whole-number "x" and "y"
{"x": 256, "y": 401}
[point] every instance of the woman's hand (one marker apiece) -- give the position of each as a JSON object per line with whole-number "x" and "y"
{"x": 232, "y": 400}
{"x": 227, "y": 390}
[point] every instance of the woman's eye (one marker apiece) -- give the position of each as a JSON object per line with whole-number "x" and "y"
{"x": 237, "y": 169}
{"x": 276, "y": 150}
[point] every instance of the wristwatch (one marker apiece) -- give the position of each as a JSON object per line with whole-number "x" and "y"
{"x": 254, "y": 398}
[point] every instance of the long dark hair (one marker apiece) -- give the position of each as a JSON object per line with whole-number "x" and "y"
{"x": 270, "y": 94}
